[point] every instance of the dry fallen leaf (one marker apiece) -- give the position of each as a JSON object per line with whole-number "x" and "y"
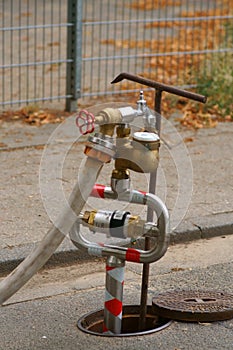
{"x": 2, "y": 144}
{"x": 35, "y": 116}
{"x": 154, "y": 4}
{"x": 188, "y": 139}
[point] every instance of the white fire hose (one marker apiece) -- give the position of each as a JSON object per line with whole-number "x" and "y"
{"x": 54, "y": 237}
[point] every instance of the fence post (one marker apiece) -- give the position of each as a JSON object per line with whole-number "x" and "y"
{"x": 74, "y": 53}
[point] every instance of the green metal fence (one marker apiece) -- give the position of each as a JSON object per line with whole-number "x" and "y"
{"x": 65, "y": 50}
{"x": 33, "y": 51}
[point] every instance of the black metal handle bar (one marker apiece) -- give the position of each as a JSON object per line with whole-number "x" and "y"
{"x": 160, "y": 86}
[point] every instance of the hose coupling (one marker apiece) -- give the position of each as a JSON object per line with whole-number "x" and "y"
{"x": 101, "y": 147}
{"x": 118, "y": 224}
{"x": 120, "y": 180}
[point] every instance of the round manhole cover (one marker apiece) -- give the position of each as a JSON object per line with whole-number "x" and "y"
{"x": 194, "y": 306}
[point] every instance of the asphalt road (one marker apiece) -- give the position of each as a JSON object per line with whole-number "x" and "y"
{"x": 44, "y": 313}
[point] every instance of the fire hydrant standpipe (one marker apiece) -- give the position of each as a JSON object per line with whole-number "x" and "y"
{"x": 102, "y": 152}
{"x": 138, "y": 153}
{"x": 130, "y": 156}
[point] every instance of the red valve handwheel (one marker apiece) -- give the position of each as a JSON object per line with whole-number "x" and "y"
{"x": 85, "y": 122}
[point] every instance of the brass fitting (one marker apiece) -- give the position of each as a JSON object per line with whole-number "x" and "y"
{"x": 135, "y": 227}
{"x": 101, "y": 156}
{"x": 120, "y": 180}
{"x": 123, "y": 131}
{"x": 107, "y": 129}
{"x": 120, "y": 174}
{"x": 101, "y": 147}
{"x": 140, "y": 154}
{"x": 109, "y": 116}
{"x": 89, "y": 217}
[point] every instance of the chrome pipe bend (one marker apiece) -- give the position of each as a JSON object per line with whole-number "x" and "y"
{"x": 157, "y": 252}
{"x": 131, "y": 254}
{"x": 79, "y": 241}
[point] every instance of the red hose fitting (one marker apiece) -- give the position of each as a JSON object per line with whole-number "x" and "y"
{"x": 98, "y": 191}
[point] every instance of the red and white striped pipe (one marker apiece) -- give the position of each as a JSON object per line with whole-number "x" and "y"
{"x": 113, "y": 295}
{"x": 102, "y": 191}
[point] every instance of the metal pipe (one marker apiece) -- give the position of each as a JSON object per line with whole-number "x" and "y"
{"x": 40, "y": 255}
{"x": 152, "y": 187}
{"x": 130, "y": 254}
{"x": 113, "y": 305}
{"x": 159, "y": 86}
{"x": 74, "y": 53}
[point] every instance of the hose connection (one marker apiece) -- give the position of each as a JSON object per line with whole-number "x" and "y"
{"x": 117, "y": 223}
{"x": 123, "y": 225}
{"x": 100, "y": 147}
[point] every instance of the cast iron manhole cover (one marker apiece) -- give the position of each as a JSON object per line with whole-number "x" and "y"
{"x": 194, "y": 306}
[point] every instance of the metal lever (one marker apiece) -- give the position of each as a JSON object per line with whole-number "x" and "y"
{"x": 160, "y": 86}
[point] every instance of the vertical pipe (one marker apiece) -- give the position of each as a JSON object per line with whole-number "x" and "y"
{"x": 59, "y": 49}
{"x": 157, "y": 108}
{"x": 215, "y": 29}
{"x": 84, "y": 73}
{"x": 129, "y": 31}
{"x": 186, "y": 56}
{"x": 107, "y": 32}
{"x": 74, "y": 52}
{"x": 51, "y": 51}
{"x": 100, "y": 36}
{"x": 115, "y": 29}
{"x": 113, "y": 295}
{"x": 28, "y": 53}
{"x": 3, "y": 53}
{"x": 152, "y": 186}
{"x": 136, "y": 35}
{"x": 19, "y": 53}
{"x": 197, "y": 7}
{"x": 44, "y": 47}
{"x": 159, "y": 50}
{"x": 35, "y": 49}
{"x": 166, "y": 48}
{"x": 12, "y": 54}
{"x": 122, "y": 37}
{"x": 92, "y": 51}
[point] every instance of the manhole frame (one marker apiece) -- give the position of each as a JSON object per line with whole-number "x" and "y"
{"x": 128, "y": 311}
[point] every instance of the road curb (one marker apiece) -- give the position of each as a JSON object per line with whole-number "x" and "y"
{"x": 218, "y": 224}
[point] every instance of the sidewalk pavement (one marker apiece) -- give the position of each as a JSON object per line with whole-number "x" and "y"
{"x": 194, "y": 180}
